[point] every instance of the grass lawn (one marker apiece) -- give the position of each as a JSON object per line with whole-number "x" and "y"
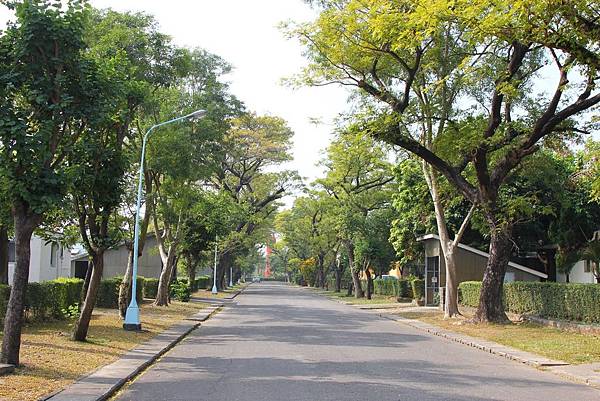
{"x": 50, "y": 360}
{"x": 222, "y": 293}
{"x": 375, "y": 299}
{"x": 552, "y": 343}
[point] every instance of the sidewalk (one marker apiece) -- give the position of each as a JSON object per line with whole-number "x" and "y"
{"x": 104, "y": 382}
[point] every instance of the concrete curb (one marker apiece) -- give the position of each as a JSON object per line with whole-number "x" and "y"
{"x": 106, "y": 381}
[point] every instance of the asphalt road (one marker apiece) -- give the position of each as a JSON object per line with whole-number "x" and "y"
{"x": 284, "y": 343}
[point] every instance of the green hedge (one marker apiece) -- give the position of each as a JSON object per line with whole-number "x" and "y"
{"x": 150, "y": 287}
{"x": 108, "y": 292}
{"x": 203, "y": 282}
{"x": 418, "y": 288}
{"x": 401, "y": 288}
{"x": 577, "y": 302}
{"x": 45, "y": 300}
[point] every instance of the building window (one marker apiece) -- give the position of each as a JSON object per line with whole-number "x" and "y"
{"x": 53, "y": 255}
{"x": 587, "y": 266}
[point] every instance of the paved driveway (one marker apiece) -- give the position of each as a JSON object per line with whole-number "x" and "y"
{"x": 284, "y": 343}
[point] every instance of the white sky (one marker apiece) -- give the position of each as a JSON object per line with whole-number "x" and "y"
{"x": 245, "y": 33}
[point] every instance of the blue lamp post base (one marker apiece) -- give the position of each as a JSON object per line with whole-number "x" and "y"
{"x": 132, "y": 319}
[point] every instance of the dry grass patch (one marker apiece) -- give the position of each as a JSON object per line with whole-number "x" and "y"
{"x": 50, "y": 360}
{"x": 552, "y": 343}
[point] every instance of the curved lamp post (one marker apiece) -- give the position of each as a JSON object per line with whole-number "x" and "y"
{"x": 132, "y": 316}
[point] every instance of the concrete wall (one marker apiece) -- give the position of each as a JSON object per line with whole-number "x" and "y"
{"x": 115, "y": 261}
{"x": 577, "y": 275}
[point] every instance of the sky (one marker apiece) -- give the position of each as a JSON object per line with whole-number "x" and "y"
{"x": 246, "y": 34}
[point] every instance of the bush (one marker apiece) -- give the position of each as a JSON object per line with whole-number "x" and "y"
{"x": 108, "y": 292}
{"x": 180, "y": 290}
{"x": 577, "y": 302}
{"x": 418, "y": 288}
{"x": 49, "y": 299}
{"x": 387, "y": 287}
{"x": 468, "y": 293}
{"x": 150, "y": 287}
{"x": 203, "y": 282}
{"x": 405, "y": 288}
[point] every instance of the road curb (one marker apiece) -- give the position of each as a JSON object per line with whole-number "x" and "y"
{"x": 107, "y": 380}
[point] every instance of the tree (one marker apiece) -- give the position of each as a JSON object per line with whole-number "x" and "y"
{"x": 358, "y": 178}
{"x": 146, "y": 61}
{"x": 48, "y": 95}
{"x": 381, "y": 49}
{"x": 253, "y": 146}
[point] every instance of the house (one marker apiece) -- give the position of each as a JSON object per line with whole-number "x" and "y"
{"x": 115, "y": 261}
{"x": 582, "y": 272}
{"x": 49, "y": 260}
{"x": 471, "y": 263}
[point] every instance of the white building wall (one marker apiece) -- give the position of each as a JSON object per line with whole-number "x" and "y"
{"x": 39, "y": 265}
{"x": 577, "y": 275}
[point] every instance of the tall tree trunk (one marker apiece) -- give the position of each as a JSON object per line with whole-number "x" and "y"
{"x": 4, "y": 255}
{"x": 191, "y": 272}
{"x": 25, "y": 223}
{"x": 162, "y": 295}
{"x": 369, "y": 283}
{"x": 82, "y": 325}
{"x": 447, "y": 245}
{"x": 338, "y": 280}
{"x": 358, "y": 292}
{"x": 125, "y": 286}
{"x": 86, "y": 280}
{"x": 491, "y": 307}
{"x": 225, "y": 261}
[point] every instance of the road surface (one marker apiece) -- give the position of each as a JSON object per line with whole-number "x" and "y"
{"x": 282, "y": 343}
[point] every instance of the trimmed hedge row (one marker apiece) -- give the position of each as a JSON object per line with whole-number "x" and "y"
{"x": 573, "y": 301}
{"x": 402, "y": 288}
{"x": 108, "y": 292}
{"x": 51, "y": 299}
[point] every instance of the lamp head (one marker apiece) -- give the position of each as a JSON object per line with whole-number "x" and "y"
{"x": 196, "y": 115}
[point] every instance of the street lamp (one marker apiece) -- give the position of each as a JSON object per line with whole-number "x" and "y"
{"x": 132, "y": 316}
{"x": 214, "y": 289}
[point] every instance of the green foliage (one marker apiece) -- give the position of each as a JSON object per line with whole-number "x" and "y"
{"x": 180, "y": 291}
{"x": 418, "y": 288}
{"x": 108, "y": 292}
{"x": 150, "y": 287}
{"x": 203, "y": 282}
{"x": 401, "y": 288}
{"x": 577, "y": 302}
{"x": 4, "y": 295}
{"x": 72, "y": 311}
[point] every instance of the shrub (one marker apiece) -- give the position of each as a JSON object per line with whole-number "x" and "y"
{"x": 150, "y": 287}
{"x": 577, "y": 302}
{"x": 203, "y": 282}
{"x": 180, "y": 290}
{"x": 108, "y": 292}
{"x": 468, "y": 293}
{"x": 48, "y": 299}
{"x": 387, "y": 287}
{"x": 418, "y": 288}
{"x": 405, "y": 288}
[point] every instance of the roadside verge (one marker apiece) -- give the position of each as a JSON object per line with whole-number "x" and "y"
{"x": 104, "y": 382}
